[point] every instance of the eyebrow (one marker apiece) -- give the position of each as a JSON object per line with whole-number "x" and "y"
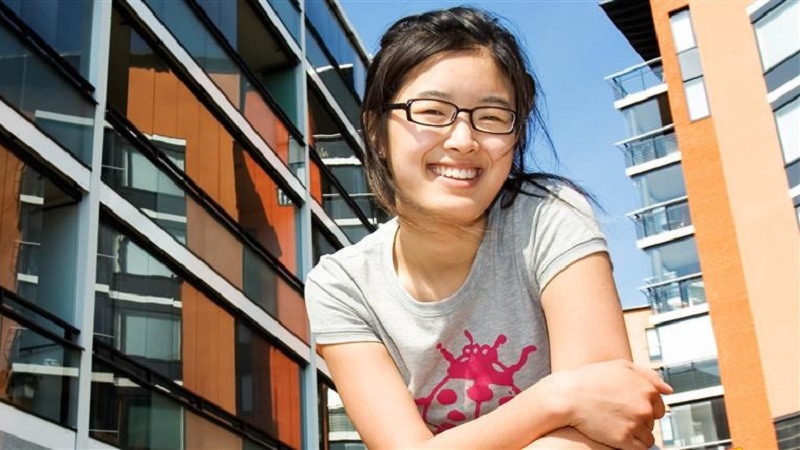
{"x": 487, "y": 99}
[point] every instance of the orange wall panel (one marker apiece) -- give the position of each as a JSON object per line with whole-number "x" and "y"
{"x": 11, "y": 173}
{"x": 208, "y": 349}
{"x": 719, "y": 249}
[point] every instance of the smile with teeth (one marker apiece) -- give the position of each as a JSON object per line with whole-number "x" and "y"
{"x": 456, "y": 173}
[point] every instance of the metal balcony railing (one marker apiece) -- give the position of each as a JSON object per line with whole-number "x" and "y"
{"x": 662, "y": 218}
{"x": 692, "y": 376}
{"x": 649, "y": 147}
{"x": 676, "y": 294}
{"x": 637, "y": 78}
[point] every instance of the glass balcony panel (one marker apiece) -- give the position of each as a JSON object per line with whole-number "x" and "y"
{"x": 674, "y": 259}
{"x": 202, "y": 232}
{"x": 130, "y": 416}
{"x": 224, "y": 71}
{"x": 66, "y": 26}
{"x": 660, "y": 185}
{"x": 332, "y": 77}
{"x": 33, "y": 86}
{"x": 289, "y": 14}
{"x": 37, "y": 237}
{"x": 677, "y": 295}
{"x": 332, "y": 200}
{"x": 38, "y": 375}
{"x": 685, "y": 340}
{"x": 647, "y": 116}
{"x": 336, "y": 40}
{"x": 662, "y": 218}
{"x": 637, "y": 79}
{"x": 649, "y": 148}
{"x": 692, "y": 376}
{"x": 695, "y": 424}
{"x": 321, "y": 243}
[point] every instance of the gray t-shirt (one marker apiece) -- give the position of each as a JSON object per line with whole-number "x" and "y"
{"x": 463, "y": 356}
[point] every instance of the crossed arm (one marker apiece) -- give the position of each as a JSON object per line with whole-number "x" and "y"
{"x": 594, "y": 398}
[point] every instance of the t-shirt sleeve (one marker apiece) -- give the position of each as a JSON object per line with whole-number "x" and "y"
{"x": 336, "y": 307}
{"x": 564, "y": 230}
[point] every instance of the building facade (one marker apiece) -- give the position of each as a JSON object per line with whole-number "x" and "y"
{"x": 713, "y": 116}
{"x": 169, "y": 172}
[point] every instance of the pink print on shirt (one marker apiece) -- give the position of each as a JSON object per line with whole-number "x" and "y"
{"x": 479, "y": 364}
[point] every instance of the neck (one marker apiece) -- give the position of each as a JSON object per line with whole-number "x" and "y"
{"x": 433, "y": 260}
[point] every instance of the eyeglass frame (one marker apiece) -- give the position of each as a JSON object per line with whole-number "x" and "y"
{"x": 407, "y": 108}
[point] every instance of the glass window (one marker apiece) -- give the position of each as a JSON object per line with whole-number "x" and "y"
{"x": 690, "y": 64}
{"x": 321, "y": 243}
{"x": 653, "y": 344}
{"x": 38, "y": 234}
{"x": 787, "y": 119}
{"x": 267, "y": 386}
{"x": 695, "y": 424}
{"x": 157, "y": 102}
{"x": 41, "y": 93}
{"x": 273, "y": 69}
{"x": 777, "y": 34}
{"x": 696, "y": 98}
{"x": 188, "y": 219}
{"x": 674, "y": 259}
{"x": 682, "y": 33}
{"x": 39, "y": 374}
{"x": 660, "y": 185}
{"x": 648, "y": 116}
{"x": 66, "y": 25}
{"x": 687, "y": 340}
{"x": 129, "y": 415}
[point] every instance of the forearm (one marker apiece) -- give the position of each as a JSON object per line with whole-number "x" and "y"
{"x": 566, "y": 439}
{"x": 532, "y": 414}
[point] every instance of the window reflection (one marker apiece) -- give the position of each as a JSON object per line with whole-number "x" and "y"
{"x": 66, "y": 25}
{"x": 159, "y": 104}
{"x": 38, "y": 226}
{"x": 648, "y": 116}
{"x": 660, "y": 185}
{"x": 44, "y": 96}
{"x": 674, "y": 260}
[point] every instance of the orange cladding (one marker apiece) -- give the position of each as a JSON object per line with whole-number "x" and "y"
{"x": 744, "y": 227}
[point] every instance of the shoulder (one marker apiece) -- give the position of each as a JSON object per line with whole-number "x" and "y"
{"x": 351, "y": 263}
{"x": 548, "y": 198}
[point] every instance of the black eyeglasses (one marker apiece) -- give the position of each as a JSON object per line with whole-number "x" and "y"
{"x": 439, "y": 113}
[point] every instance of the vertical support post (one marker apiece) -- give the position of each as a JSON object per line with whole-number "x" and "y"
{"x": 89, "y": 220}
{"x": 310, "y": 400}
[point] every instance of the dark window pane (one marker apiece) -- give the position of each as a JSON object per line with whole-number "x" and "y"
{"x": 29, "y": 83}
{"x": 66, "y": 25}
{"x": 786, "y": 70}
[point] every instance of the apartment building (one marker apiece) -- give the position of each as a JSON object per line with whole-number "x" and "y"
{"x": 714, "y": 150}
{"x": 170, "y": 171}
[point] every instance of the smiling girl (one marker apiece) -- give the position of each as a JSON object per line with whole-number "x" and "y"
{"x": 485, "y": 314}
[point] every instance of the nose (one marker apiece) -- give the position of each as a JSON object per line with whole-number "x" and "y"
{"x": 461, "y": 136}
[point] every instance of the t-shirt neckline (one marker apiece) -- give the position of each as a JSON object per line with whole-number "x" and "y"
{"x": 438, "y": 307}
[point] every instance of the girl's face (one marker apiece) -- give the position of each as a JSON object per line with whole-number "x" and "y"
{"x": 452, "y": 172}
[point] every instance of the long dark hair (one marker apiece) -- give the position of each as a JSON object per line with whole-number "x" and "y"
{"x": 415, "y": 39}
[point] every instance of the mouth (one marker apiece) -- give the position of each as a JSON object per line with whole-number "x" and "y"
{"x": 456, "y": 173}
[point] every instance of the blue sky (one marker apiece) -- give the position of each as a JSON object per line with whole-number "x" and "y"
{"x": 572, "y": 46}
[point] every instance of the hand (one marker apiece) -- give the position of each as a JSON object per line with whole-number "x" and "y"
{"x": 614, "y": 402}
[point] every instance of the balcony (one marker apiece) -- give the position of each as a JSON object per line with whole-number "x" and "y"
{"x": 676, "y": 294}
{"x": 667, "y": 216}
{"x": 637, "y": 78}
{"x": 692, "y": 376}
{"x": 649, "y": 147}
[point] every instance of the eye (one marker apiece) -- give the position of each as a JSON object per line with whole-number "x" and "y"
{"x": 492, "y": 115}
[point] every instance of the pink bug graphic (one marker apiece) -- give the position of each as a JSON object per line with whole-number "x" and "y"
{"x": 479, "y": 364}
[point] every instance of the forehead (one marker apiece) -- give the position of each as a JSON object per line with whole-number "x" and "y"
{"x": 459, "y": 76}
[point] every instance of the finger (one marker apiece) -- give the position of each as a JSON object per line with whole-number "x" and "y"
{"x": 658, "y": 407}
{"x": 654, "y": 378}
{"x": 645, "y": 437}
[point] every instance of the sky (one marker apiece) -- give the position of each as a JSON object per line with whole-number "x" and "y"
{"x": 572, "y": 46}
